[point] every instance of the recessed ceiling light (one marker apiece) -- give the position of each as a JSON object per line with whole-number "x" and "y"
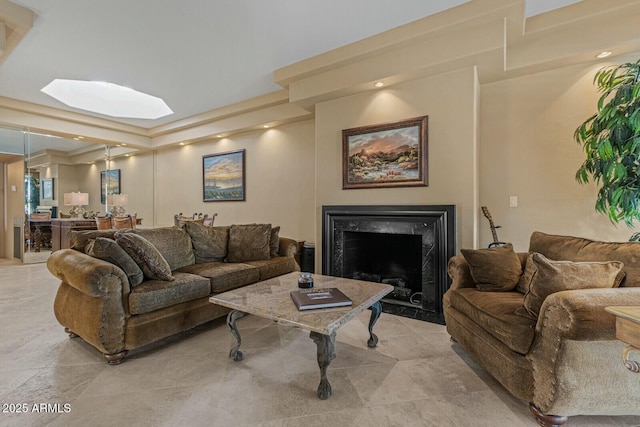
{"x": 604, "y": 54}
{"x": 265, "y": 126}
{"x": 378, "y": 84}
{"x": 218, "y": 136}
{"x": 107, "y": 98}
{"x": 123, "y": 144}
{"x": 182, "y": 143}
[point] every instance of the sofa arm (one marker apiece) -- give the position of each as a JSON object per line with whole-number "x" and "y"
{"x": 92, "y": 300}
{"x": 288, "y": 247}
{"x": 460, "y": 273}
{"x": 91, "y": 276}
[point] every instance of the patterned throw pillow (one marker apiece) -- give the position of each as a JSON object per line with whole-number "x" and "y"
{"x": 543, "y": 277}
{"x": 274, "y": 242}
{"x": 110, "y": 251}
{"x": 249, "y": 242}
{"x": 148, "y": 258}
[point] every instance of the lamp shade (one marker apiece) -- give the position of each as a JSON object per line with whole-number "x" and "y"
{"x": 76, "y": 199}
{"x": 118, "y": 199}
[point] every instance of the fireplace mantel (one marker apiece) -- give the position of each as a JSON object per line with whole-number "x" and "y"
{"x": 432, "y": 225}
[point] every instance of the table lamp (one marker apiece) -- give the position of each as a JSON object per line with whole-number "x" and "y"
{"x": 117, "y": 203}
{"x": 76, "y": 201}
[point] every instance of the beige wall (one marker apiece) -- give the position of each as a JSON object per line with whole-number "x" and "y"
{"x": 3, "y": 219}
{"x": 279, "y": 180}
{"x": 527, "y": 150}
{"x": 14, "y": 201}
{"x": 450, "y": 101}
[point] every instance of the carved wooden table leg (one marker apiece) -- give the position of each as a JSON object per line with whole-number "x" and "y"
{"x": 37, "y": 238}
{"x": 376, "y": 309}
{"x": 631, "y": 365}
{"x": 326, "y": 353}
{"x": 235, "y": 352}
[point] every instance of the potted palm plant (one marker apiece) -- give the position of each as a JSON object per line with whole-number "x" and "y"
{"x": 611, "y": 141}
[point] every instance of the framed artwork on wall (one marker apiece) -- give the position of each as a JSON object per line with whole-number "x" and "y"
{"x": 223, "y": 177}
{"x": 109, "y": 184}
{"x": 46, "y": 189}
{"x": 385, "y": 155}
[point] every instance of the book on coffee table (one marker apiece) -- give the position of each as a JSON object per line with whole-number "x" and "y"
{"x": 307, "y": 299}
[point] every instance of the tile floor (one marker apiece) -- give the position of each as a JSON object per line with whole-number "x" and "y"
{"x": 415, "y": 377}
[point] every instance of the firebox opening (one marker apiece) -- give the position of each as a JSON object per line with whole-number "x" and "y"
{"x": 395, "y": 259}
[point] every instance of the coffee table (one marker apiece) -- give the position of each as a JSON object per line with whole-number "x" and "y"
{"x": 271, "y": 299}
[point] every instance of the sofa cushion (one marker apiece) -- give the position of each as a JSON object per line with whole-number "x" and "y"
{"x": 580, "y": 249}
{"x": 78, "y": 239}
{"x": 495, "y": 313}
{"x": 173, "y": 243}
{"x": 109, "y": 250}
{"x": 156, "y": 294}
{"x": 249, "y": 242}
{"x": 494, "y": 269}
{"x": 274, "y": 267}
{"x": 209, "y": 243}
{"x": 543, "y": 277}
{"x": 147, "y": 256}
{"x": 225, "y": 276}
{"x": 274, "y": 242}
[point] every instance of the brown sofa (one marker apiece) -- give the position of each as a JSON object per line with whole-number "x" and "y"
{"x": 119, "y": 296}
{"x": 566, "y": 361}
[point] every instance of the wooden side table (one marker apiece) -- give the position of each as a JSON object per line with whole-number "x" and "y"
{"x": 628, "y": 330}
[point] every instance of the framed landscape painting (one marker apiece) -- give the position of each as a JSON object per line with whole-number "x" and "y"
{"x": 223, "y": 177}
{"x": 109, "y": 184}
{"x": 385, "y": 155}
{"x": 46, "y": 189}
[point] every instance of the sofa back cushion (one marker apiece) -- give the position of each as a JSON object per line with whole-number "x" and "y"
{"x": 579, "y": 249}
{"x": 173, "y": 243}
{"x": 209, "y": 243}
{"x": 249, "y": 242}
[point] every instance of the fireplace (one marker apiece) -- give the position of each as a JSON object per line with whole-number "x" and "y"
{"x": 407, "y": 247}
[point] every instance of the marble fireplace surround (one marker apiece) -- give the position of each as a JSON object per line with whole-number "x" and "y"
{"x": 434, "y": 223}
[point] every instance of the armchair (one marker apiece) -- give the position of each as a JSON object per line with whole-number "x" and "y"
{"x": 565, "y": 361}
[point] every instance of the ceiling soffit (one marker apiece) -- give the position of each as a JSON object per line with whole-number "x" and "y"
{"x": 492, "y": 35}
{"x": 15, "y": 22}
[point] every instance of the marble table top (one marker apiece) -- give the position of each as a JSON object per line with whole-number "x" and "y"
{"x": 271, "y": 299}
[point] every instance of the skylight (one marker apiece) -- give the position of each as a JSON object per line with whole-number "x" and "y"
{"x": 107, "y": 98}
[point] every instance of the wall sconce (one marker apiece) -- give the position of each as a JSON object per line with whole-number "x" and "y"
{"x": 77, "y": 201}
{"x": 117, "y": 203}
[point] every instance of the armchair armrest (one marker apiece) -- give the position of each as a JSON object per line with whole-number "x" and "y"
{"x": 580, "y": 314}
{"x": 574, "y": 347}
{"x": 460, "y": 273}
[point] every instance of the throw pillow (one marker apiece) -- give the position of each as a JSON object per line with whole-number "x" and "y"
{"x": 249, "y": 242}
{"x": 274, "y": 242}
{"x": 110, "y": 251}
{"x": 494, "y": 269}
{"x": 148, "y": 258}
{"x": 79, "y": 239}
{"x": 209, "y": 243}
{"x": 545, "y": 277}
